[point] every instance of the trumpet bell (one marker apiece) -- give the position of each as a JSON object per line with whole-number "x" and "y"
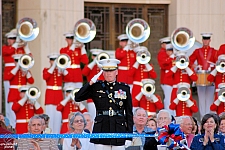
{"x": 221, "y": 95}
{"x": 220, "y": 65}
{"x": 63, "y": 61}
{"x": 182, "y": 62}
{"x": 138, "y": 30}
{"x": 27, "y": 29}
{"x": 33, "y": 93}
{"x": 84, "y": 30}
{"x": 26, "y": 62}
{"x": 148, "y": 89}
{"x": 183, "y": 93}
{"x": 102, "y": 55}
{"x": 182, "y": 39}
{"x": 73, "y": 93}
{"x": 143, "y": 57}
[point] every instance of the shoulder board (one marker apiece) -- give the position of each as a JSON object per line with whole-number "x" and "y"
{"x": 99, "y": 81}
{"x": 122, "y": 83}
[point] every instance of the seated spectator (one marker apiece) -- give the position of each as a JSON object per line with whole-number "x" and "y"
{"x": 152, "y": 124}
{"x": 163, "y": 118}
{"x": 77, "y": 123}
{"x": 36, "y": 126}
{"x": 195, "y": 129}
{"x": 89, "y": 126}
{"x": 208, "y": 139}
{"x": 46, "y": 118}
{"x": 222, "y": 123}
{"x": 140, "y": 118}
{"x": 5, "y": 143}
{"x": 186, "y": 126}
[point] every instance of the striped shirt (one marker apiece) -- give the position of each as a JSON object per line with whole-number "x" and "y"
{"x": 44, "y": 144}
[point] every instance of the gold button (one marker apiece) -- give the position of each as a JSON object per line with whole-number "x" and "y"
{"x": 99, "y": 96}
{"x": 110, "y": 101}
{"x": 110, "y": 108}
{"x": 111, "y": 87}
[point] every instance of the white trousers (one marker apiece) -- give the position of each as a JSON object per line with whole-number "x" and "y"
{"x": 7, "y": 106}
{"x": 12, "y": 116}
{"x": 108, "y": 147}
{"x": 55, "y": 118}
{"x": 206, "y": 98}
{"x": 167, "y": 89}
{"x": 92, "y": 109}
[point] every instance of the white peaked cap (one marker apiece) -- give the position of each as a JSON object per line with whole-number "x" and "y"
{"x": 69, "y": 88}
{"x": 17, "y": 56}
{"x": 148, "y": 81}
{"x": 11, "y": 34}
{"x": 221, "y": 85}
{"x": 109, "y": 64}
{"x": 141, "y": 48}
{"x": 96, "y": 51}
{"x": 53, "y": 55}
{"x": 68, "y": 34}
{"x": 24, "y": 88}
{"x": 165, "y": 40}
{"x": 183, "y": 84}
{"x": 122, "y": 37}
{"x": 221, "y": 57}
{"x": 206, "y": 34}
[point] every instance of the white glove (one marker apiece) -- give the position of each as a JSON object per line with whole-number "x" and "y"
{"x": 23, "y": 100}
{"x": 36, "y": 105}
{"x": 172, "y": 56}
{"x": 50, "y": 70}
{"x": 148, "y": 67}
{"x": 189, "y": 71}
{"x": 154, "y": 98}
{"x": 189, "y": 103}
{"x": 174, "y": 69}
{"x": 81, "y": 106}
{"x": 26, "y": 49}
{"x": 126, "y": 48}
{"x": 139, "y": 96}
{"x": 28, "y": 74}
{"x": 65, "y": 72}
{"x": 65, "y": 101}
{"x": 15, "y": 69}
{"x": 217, "y": 102}
{"x": 92, "y": 64}
{"x": 128, "y": 143}
{"x": 16, "y": 44}
{"x": 214, "y": 72}
{"x": 83, "y": 50}
{"x": 136, "y": 64}
{"x": 176, "y": 101}
{"x": 95, "y": 78}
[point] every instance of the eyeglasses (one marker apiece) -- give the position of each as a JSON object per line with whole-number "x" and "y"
{"x": 77, "y": 121}
{"x": 188, "y": 124}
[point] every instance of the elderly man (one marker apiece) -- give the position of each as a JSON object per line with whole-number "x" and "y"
{"x": 113, "y": 105}
{"x": 186, "y": 126}
{"x": 36, "y": 126}
{"x": 163, "y": 118}
{"x": 140, "y": 125}
{"x": 89, "y": 119}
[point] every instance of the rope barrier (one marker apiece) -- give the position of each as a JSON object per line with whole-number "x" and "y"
{"x": 93, "y": 135}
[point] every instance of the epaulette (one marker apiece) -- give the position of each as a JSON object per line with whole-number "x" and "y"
{"x": 122, "y": 83}
{"x": 99, "y": 81}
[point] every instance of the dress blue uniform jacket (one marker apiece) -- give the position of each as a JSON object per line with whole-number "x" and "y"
{"x": 218, "y": 144}
{"x": 104, "y": 102}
